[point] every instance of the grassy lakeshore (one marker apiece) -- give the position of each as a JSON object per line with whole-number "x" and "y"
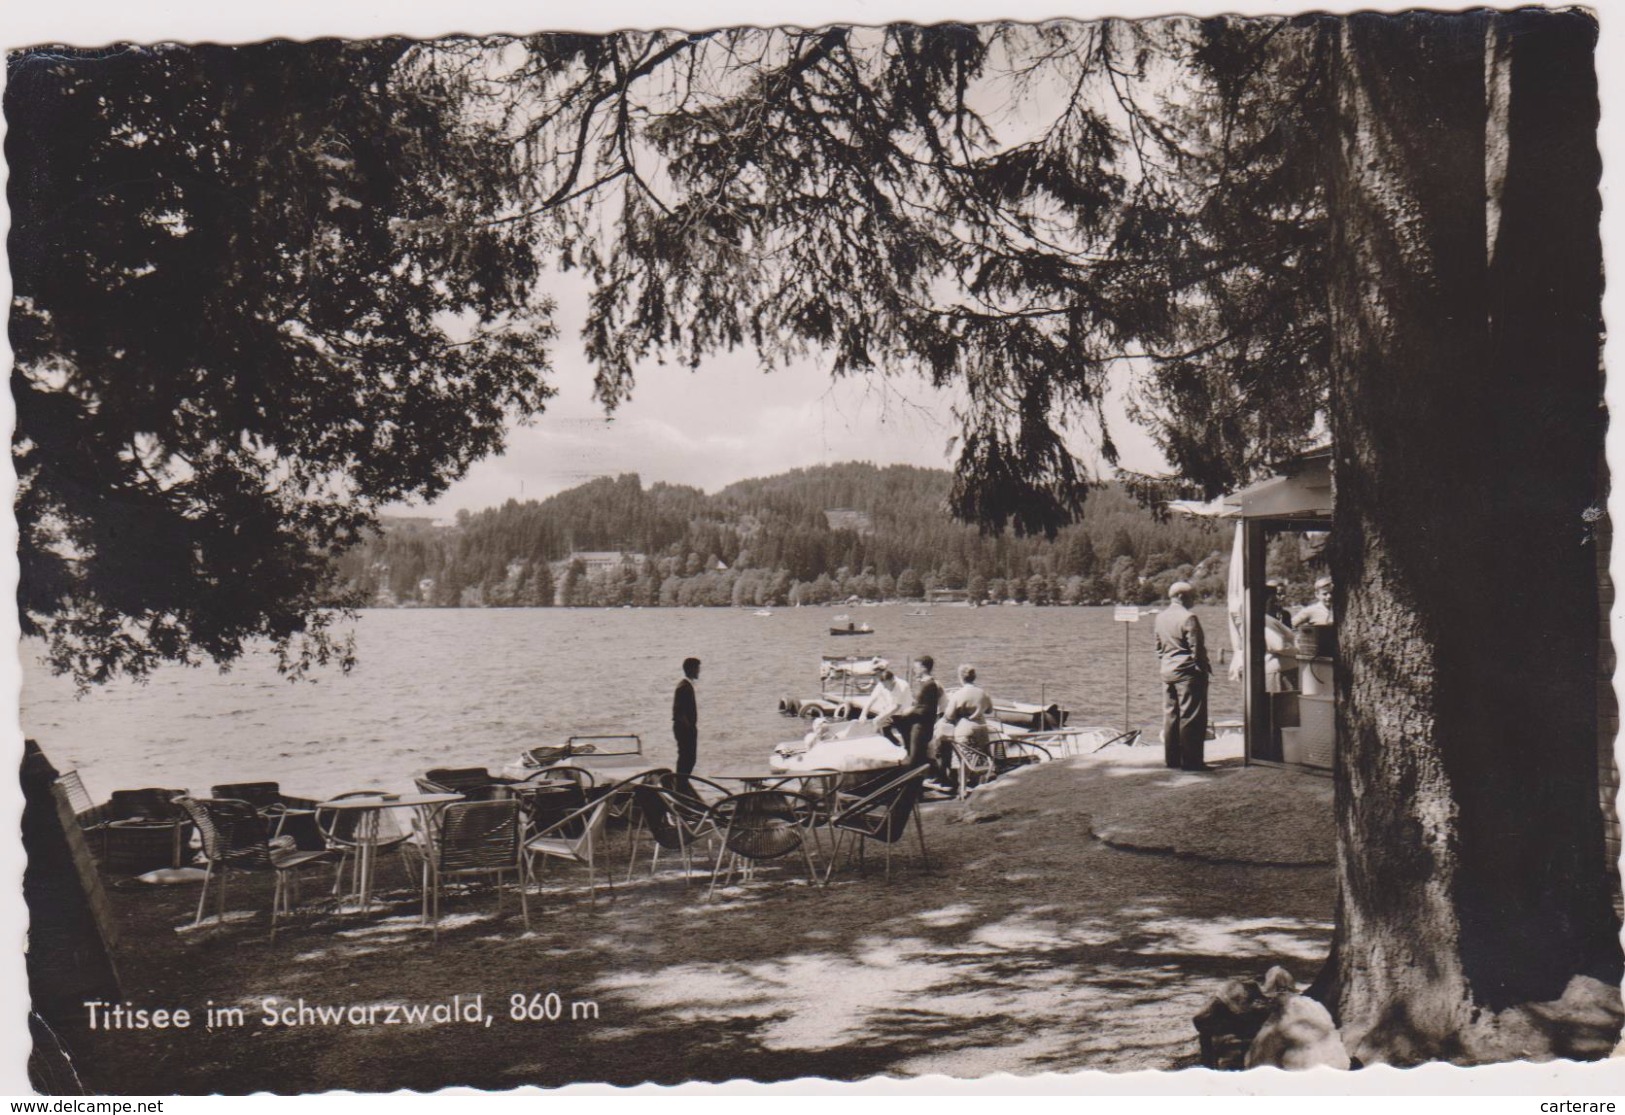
{"x": 1074, "y": 916}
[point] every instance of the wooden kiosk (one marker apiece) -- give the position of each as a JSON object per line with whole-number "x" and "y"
{"x": 1296, "y": 729}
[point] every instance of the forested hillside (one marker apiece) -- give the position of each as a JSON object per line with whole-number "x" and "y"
{"x": 770, "y": 542}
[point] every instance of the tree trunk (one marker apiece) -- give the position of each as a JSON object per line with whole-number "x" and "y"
{"x": 1466, "y": 426}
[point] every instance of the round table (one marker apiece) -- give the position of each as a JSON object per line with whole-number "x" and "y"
{"x": 369, "y": 809}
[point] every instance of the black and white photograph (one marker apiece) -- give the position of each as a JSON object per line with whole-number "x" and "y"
{"x": 565, "y": 551}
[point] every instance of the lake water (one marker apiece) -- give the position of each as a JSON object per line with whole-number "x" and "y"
{"x": 474, "y": 687}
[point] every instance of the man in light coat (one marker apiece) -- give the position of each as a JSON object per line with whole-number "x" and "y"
{"x": 1182, "y": 657}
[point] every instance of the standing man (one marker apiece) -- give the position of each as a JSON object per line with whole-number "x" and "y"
{"x": 1182, "y": 654}
{"x": 915, "y": 723}
{"x": 685, "y": 717}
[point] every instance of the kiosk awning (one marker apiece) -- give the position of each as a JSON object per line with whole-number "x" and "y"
{"x": 1302, "y": 491}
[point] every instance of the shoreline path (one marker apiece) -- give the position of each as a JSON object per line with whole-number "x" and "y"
{"x": 1075, "y": 916}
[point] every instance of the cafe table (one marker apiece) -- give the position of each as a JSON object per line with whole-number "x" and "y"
{"x": 817, "y": 785}
{"x": 369, "y": 808}
{"x": 776, "y": 780}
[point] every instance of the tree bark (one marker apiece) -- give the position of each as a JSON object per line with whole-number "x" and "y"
{"x": 1475, "y": 922}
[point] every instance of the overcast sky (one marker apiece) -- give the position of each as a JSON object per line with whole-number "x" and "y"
{"x": 724, "y": 422}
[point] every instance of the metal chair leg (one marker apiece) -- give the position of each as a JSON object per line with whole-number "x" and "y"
{"x": 834, "y": 857}
{"x": 278, "y": 885}
{"x": 208, "y": 875}
{"x": 524, "y": 900}
{"x": 632, "y": 852}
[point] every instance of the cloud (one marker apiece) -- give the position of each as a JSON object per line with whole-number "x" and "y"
{"x": 726, "y": 421}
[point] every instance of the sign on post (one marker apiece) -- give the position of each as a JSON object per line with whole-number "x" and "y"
{"x": 1126, "y": 613}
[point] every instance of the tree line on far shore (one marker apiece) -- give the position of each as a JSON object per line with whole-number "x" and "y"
{"x": 771, "y": 542}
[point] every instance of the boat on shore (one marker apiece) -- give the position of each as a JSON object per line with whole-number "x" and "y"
{"x": 847, "y": 747}
{"x": 844, "y": 683}
{"x": 1022, "y": 714}
{"x": 608, "y": 758}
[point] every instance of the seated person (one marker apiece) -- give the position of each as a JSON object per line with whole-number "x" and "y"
{"x": 964, "y": 721}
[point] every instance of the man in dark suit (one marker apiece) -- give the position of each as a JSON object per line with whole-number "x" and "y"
{"x": 685, "y": 717}
{"x": 1182, "y": 655}
{"x": 912, "y": 727}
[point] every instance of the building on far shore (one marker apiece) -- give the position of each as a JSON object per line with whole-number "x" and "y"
{"x": 594, "y": 561}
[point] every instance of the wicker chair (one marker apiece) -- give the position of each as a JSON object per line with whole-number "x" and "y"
{"x": 79, "y": 799}
{"x": 674, "y": 820}
{"x": 284, "y": 815}
{"x": 474, "y": 783}
{"x": 881, "y": 814}
{"x": 558, "y": 772}
{"x": 1126, "y": 739}
{"x": 234, "y": 839}
{"x": 1010, "y": 754}
{"x": 338, "y": 828}
{"x": 578, "y": 837}
{"x": 140, "y": 830}
{"x": 258, "y": 794}
{"x": 973, "y": 767}
{"x": 760, "y": 825}
{"x": 543, "y": 804}
{"x": 473, "y": 838}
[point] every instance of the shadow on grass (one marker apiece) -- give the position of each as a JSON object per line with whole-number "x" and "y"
{"x": 1025, "y": 948}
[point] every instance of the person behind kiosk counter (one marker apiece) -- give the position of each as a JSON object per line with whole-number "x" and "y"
{"x": 1318, "y": 613}
{"x": 1272, "y": 603}
{"x": 1280, "y": 650}
{"x": 1182, "y": 655}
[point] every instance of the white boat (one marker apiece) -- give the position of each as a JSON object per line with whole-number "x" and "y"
{"x": 846, "y": 747}
{"x": 609, "y": 758}
{"x": 844, "y": 682}
{"x": 762, "y": 612}
{"x": 1022, "y": 714}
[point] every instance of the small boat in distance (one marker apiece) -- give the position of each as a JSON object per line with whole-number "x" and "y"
{"x": 852, "y": 629}
{"x": 761, "y": 612}
{"x": 918, "y": 612}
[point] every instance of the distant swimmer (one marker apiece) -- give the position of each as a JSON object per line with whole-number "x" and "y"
{"x": 685, "y": 717}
